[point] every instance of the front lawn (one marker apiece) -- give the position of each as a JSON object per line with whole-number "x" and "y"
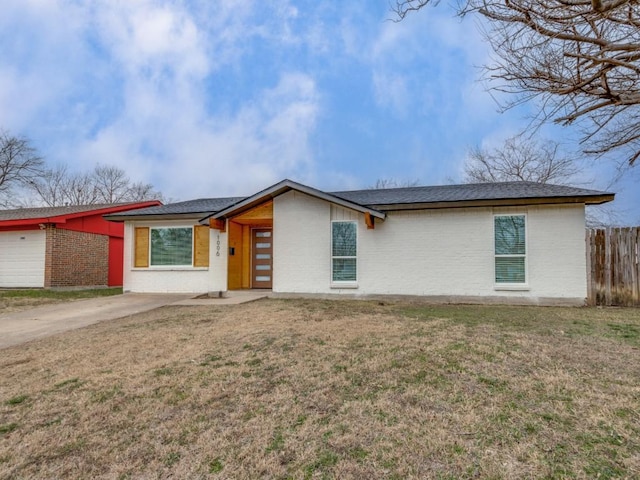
{"x": 23, "y": 299}
{"x": 320, "y": 389}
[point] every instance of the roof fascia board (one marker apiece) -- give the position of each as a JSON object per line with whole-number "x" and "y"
{"x": 588, "y": 200}
{"x": 283, "y": 187}
{"x": 166, "y": 216}
{"x": 115, "y": 209}
{"x": 85, "y": 213}
{"x": 104, "y": 212}
{"x": 27, "y": 221}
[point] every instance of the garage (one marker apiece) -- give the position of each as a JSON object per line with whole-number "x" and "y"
{"x": 22, "y": 258}
{"x": 63, "y": 247}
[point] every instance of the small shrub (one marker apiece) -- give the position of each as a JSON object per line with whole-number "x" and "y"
{"x": 7, "y": 428}
{"x": 215, "y": 465}
{"x": 17, "y": 400}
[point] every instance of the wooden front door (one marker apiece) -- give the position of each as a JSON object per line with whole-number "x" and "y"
{"x": 261, "y": 258}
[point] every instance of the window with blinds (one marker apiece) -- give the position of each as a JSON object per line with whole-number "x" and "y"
{"x": 171, "y": 246}
{"x": 344, "y": 251}
{"x": 510, "y": 248}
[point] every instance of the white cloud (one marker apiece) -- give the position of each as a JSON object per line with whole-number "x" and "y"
{"x": 146, "y": 64}
{"x": 147, "y": 37}
{"x": 191, "y": 154}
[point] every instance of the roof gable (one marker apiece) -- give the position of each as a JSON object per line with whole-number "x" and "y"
{"x": 283, "y": 187}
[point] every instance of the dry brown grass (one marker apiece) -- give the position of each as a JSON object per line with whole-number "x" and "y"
{"x": 25, "y": 299}
{"x": 318, "y": 389}
{"x": 10, "y": 305}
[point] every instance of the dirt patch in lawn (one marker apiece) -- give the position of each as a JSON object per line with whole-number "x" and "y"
{"x": 311, "y": 389}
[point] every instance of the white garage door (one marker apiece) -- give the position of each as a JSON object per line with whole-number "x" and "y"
{"x": 22, "y": 258}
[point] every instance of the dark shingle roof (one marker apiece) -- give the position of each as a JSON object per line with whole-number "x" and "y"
{"x": 464, "y": 192}
{"x": 48, "y": 212}
{"x": 199, "y": 206}
{"x": 387, "y": 198}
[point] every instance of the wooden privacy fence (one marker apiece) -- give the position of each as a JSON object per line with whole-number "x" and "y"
{"x": 613, "y": 266}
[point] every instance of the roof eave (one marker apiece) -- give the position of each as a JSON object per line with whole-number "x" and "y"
{"x": 152, "y": 217}
{"x": 63, "y": 218}
{"x": 500, "y": 202}
{"x": 113, "y": 209}
{"x": 283, "y": 187}
{"x": 25, "y": 222}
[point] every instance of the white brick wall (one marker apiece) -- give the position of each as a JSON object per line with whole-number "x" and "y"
{"x": 446, "y": 252}
{"x": 301, "y": 242}
{"x": 435, "y": 252}
{"x": 440, "y": 253}
{"x": 557, "y": 251}
{"x": 175, "y": 279}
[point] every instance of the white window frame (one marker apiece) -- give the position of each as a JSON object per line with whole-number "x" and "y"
{"x": 171, "y": 267}
{"x": 512, "y": 285}
{"x": 343, "y": 283}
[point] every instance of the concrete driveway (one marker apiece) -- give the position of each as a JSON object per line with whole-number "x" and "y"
{"x": 20, "y": 327}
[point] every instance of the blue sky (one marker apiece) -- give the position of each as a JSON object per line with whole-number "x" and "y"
{"x": 213, "y": 98}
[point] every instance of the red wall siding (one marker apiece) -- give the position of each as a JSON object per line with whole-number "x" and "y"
{"x": 94, "y": 224}
{"x": 116, "y": 254}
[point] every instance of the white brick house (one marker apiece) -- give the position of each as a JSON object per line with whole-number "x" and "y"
{"x": 514, "y": 242}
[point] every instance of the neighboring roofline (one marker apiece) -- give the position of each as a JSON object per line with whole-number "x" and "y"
{"x": 158, "y": 216}
{"x": 498, "y": 202}
{"x": 59, "y": 219}
{"x": 283, "y": 187}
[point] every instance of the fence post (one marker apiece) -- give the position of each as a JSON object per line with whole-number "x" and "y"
{"x": 613, "y": 266}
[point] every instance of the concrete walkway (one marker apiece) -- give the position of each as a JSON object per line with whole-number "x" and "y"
{"x": 233, "y": 297}
{"x": 46, "y": 320}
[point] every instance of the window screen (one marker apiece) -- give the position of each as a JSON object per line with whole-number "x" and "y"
{"x": 171, "y": 246}
{"x": 344, "y": 251}
{"x": 510, "y": 249}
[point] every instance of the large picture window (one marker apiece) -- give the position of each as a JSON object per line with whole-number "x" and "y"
{"x": 510, "y": 249}
{"x": 171, "y": 246}
{"x": 344, "y": 251}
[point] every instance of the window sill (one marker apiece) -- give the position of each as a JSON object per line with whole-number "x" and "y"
{"x": 170, "y": 269}
{"x": 344, "y": 285}
{"x": 512, "y": 287}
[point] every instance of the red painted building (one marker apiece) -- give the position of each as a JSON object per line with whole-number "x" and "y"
{"x": 62, "y": 246}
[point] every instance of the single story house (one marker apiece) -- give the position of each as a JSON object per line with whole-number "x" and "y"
{"x": 514, "y": 242}
{"x": 62, "y": 246}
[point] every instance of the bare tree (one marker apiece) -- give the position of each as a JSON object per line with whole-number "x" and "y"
{"x": 58, "y": 186}
{"x": 111, "y": 183}
{"x": 580, "y": 59}
{"x": 521, "y": 159}
{"x": 81, "y": 189}
{"x": 19, "y": 165}
{"x": 106, "y": 184}
{"x": 539, "y": 161}
{"x": 50, "y": 188}
{"x": 139, "y": 191}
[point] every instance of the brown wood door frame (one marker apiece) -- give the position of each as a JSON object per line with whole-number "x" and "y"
{"x": 255, "y": 262}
